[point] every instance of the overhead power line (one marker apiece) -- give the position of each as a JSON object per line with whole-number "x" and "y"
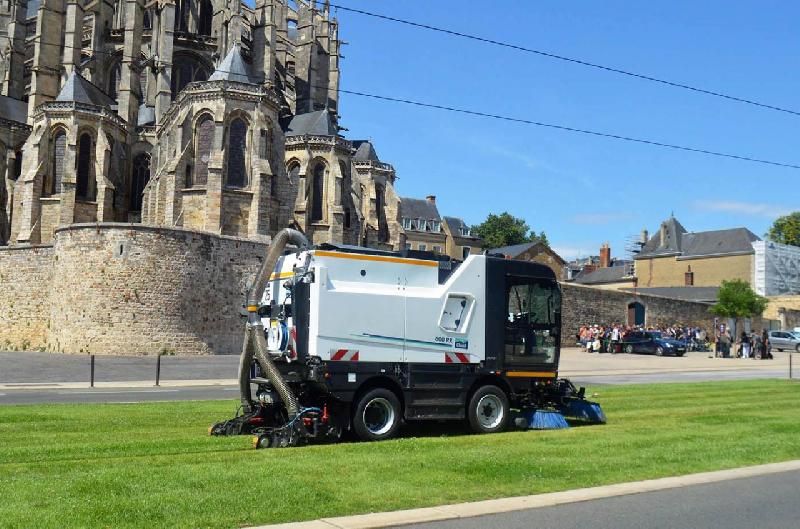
{"x": 573, "y": 60}
{"x": 530, "y": 122}
{"x": 571, "y": 129}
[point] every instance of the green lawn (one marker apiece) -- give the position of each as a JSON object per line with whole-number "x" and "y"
{"x": 152, "y": 465}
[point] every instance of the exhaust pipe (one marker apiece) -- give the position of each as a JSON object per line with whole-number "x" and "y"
{"x": 255, "y": 343}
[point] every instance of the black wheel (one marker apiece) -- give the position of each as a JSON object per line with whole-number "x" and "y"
{"x": 629, "y": 349}
{"x": 679, "y": 354}
{"x": 797, "y": 348}
{"x": 659, "y": 351}
{"x": 488, "y": 410}
{"x": 377, "y": 415}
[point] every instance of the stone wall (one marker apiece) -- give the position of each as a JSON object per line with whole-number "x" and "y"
{"x": 25, "y": 279}
{"x": 133, "y": 289}
{"x": 583, "y": 305}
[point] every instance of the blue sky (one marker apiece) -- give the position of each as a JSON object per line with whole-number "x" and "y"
{"x": 583, "y": 190}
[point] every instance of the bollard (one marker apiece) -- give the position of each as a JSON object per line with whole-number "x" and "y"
{"x": 158, "y": 369}
{"x": 91, "y": 379}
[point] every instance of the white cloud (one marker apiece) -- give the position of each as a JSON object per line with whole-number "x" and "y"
{"x": 771, "y": 211}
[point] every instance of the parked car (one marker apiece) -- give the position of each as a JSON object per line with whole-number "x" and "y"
{"x": 652, "y": 342}
{"x": 782, "y": 340}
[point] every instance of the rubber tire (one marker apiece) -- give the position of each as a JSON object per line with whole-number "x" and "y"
{"x": 361, "y": 429}
{"x": 472, "y": 409}
{"x": 629, "y": 349}
{"x": 797, "y": 348}
{"x": 659, "y": 351}
{"x": 679, "y": 354}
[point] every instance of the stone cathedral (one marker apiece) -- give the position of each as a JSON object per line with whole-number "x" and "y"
{"x": 206, "y": 115}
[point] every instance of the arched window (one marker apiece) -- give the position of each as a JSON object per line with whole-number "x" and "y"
{"x": 147, "y": 21}
{"x": 114, "y": 76}
{"x": 83, "y": 187}
{"x": 317, "y": 192}
{"x": 202, "y": 149}
{"x": 139, "y": 178}
{"x": 52, "y": 184}
{"x": 206, "y": 15}
{"x": 237, "y": 145}
{"x": 186, "y": 69}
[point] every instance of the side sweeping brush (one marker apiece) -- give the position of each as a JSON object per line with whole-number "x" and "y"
{"x": 584, "y": 411}
{"x": 546, "y": 420}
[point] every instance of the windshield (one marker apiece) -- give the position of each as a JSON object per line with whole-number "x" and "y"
{"x": 534, "y": 317}
{"x": 654, "y": 335}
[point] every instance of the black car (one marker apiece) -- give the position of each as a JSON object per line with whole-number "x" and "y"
{"x": 652, "y": 342}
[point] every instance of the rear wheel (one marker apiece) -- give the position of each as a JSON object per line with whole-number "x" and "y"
{"x": 659, "y": 351}
{"x": 488, "y": 410}
{"x": 377, "y": 415}
{"x": 797, "y": 348}
{"x": 629, "y": 349}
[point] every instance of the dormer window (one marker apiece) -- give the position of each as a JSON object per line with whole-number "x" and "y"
{"x": 407, "y": 224}
{"x": 422, "y": 225}
{"x": 435, "y": 226}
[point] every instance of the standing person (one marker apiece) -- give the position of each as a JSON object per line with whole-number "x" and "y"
{"x": 615, "y": 337}
{"x": 766, "y": 347}
{"x": 745, "y": 345}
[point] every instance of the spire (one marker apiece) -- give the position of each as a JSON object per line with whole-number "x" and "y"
{"x": 233, "y": 68}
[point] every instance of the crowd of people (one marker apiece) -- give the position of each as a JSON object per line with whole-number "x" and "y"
{"x": 609, "y": 338}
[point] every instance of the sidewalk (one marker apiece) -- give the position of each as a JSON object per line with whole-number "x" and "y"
{"x": 481, "y": 508}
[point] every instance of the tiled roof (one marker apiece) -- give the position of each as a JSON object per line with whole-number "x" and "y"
{"x": 80, "y": 90}
{"x": 679, "y": 241}
{"x": 233, "y": 68}
{"x": 317, "y": 123}
{"x": 611, "y": 274}
{"x": 416, "y": 208}
{"x": 365, "y": 151}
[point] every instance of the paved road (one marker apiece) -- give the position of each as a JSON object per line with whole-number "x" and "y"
{"x": 32, "y": 367}
{"x": 764, "y": 502}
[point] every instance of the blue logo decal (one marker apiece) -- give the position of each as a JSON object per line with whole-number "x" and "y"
{"x": 462, "y": 344}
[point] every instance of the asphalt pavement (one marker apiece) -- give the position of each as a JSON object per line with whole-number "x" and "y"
{"x": 763, "y": 502}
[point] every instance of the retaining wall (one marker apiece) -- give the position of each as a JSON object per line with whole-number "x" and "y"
{"x": 25, "y": 280}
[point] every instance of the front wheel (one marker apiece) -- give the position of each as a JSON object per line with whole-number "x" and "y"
{"x": 488, "y": 410}
{"x": 659, "y": 351}
{"x": 377, "y": 415}
{"x": 797, "y": 349}
{"x": 629, "y": 349}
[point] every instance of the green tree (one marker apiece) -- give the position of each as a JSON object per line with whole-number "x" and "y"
{"x": 737, "y": 300}
{"x": 786, "y": 229}
{"x": 505, "y": 229}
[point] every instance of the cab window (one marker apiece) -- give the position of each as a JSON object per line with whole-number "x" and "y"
{"x": 533, "y": 319}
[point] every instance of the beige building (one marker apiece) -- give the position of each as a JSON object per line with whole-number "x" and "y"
{"x": 422, "y": 225}
{"x": 675, "y": 257}
{"x": 460, "y": 240}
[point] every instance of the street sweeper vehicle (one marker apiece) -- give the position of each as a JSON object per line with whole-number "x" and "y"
{"x": 345, "y": 339}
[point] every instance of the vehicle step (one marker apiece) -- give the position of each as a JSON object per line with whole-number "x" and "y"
{"x": 438, "y": 403}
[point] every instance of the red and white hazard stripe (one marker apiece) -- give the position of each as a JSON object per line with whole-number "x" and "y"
{"x": 456, "y": 358}
{"x": 344, "y": 355}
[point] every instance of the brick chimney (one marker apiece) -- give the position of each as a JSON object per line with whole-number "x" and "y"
{"x": 605, "y": 255}
{"x": 431, "y": 199}
{"x": 688, "y": 277}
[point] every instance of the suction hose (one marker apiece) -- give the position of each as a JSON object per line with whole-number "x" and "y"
{"x": 255, "y": 343}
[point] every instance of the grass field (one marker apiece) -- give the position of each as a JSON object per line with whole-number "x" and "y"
{"x": 152, "y": 465}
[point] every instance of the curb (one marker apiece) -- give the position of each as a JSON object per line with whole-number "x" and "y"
{"x": 481, "y": 508}
{"x": 119, "y": 384}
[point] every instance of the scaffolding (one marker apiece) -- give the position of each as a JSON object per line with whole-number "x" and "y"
{"x": 777, "y": 269}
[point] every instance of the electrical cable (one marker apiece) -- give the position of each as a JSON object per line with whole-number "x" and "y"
{"x": 573, "y": 60}
{"x": 500, "y": 117}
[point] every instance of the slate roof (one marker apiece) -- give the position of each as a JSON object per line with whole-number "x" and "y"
{"x": 611, "y": 274}
{"x": 233, "y": 68}
{"x": 317, "y": 123}
{"x": 79, "y": 90}
{"x": 735, "y": 240}
{"x": 686, "y": 244}
{"x": 700, "y": 294}
{"x": 455, "y": 224}
{"x": 13, "y": 109}
{"x": 416, "y": 208}
{"x": 365, "y": 151}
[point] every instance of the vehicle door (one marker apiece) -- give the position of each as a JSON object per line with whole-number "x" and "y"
{"x": 780, "y": 340}
{"x": 532, "y": 323}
